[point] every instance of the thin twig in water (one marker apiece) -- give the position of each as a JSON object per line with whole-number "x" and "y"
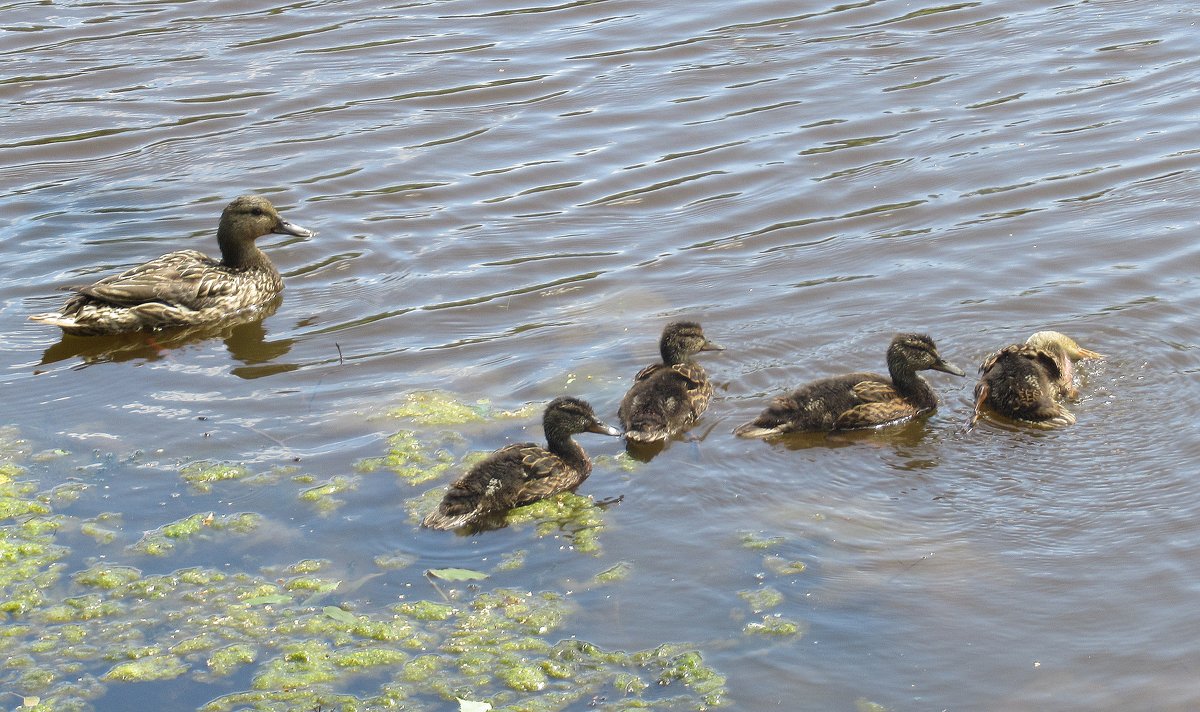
{"x": 341, "y": 361}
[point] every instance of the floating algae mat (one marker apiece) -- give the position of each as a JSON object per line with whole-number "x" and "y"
{"x": 284, "y": 638}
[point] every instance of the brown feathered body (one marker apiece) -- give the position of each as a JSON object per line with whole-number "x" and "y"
{"x": 667, "y": 398}
{"x": 858, "y": 400}
{"x": 523, "y": 473}
{"x": 1027, "y": 381}
{"x": 186, "y": 287}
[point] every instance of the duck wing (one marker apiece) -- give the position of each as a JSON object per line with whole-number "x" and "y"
{"x": 879, "y": 403}
{"x": 188, "y": 278}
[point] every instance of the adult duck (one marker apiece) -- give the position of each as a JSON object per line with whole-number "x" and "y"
{"x": 186, "y": 287}
{"x": 1027, "y": 381}
{"x": 523, "y": 473}
{"x": 858, "y": 400}
{"x": 668, "y": 397}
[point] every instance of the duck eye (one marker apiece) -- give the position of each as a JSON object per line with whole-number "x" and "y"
{"x": 257, "y": 212}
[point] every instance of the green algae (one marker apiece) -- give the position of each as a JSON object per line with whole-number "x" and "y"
{"x": 613, "y": 574}
{"x": 783, "y": 567}
{"x": 154, "y": 667}
{"x": 761, "y": 599}
{"x": 571, "y": 517}
{"x": 756, "y": 540}
{"x": 774, "y": 625}
{"x": 442, "y": 408}
{"x": 104, "y": 527}
{"x": 71, "y": 638}
{"x": 162, "y": 541}
{"x": 202, "y": 476}
{"x": 426, "y": 610}
{"x": 224, "y": 661}
{"x": 107, "y": 577}
{"x": 394, "y": 561}
{"x": 513, "y": 560}
{"x": 410, "y": 458}
{"x": 322, "y": 496}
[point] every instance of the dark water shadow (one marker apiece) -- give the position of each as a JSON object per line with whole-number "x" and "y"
{"x": 901, "y": 435}
{"x": 244, "y": 336}
{"x": 645, "y": 452}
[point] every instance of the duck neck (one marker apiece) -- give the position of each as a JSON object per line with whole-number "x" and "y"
{"x": 241, "y": 254}
{"x": 909, "y": 384}
{"x": 672, "y": 353}
{"x": 561, "y": 443}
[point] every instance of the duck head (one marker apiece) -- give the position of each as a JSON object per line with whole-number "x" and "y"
{"x": 919, "y": 353}
{"x": 566, "y": 415}
{"x": 681, "y": 339}
{"x": 248, "y": 218}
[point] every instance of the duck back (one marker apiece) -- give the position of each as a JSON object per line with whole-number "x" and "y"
{"x": 664, "y": 400}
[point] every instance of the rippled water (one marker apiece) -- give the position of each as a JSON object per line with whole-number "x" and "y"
{"x": 513, "y": 199}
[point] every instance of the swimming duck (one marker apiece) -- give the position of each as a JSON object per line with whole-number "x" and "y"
{"x": 858, "y": 400}
{"x": 185, "y": 287}
{"x": 667, "y": 397}
{"x": 1026, "y": 381}
{"x": 523, "y": 473}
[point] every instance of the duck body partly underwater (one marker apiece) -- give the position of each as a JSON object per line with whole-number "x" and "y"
{"x": 523, "y": 473}
{"x": 1028, "y": 381}
{"x": 186, "y": 287}
{"x": 858, "y": 400}
{"x": 667, "y": 398}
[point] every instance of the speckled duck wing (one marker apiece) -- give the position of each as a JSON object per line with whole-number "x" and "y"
{"x": 490, "y": 486}
{"x": 512, "y": 476}
{"x": 186, "y": 278}
{"x": 878, "y": 403}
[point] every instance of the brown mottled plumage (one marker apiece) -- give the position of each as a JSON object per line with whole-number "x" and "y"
{"x": 1027, "y": 381}
{"x": 186, "y": 287}
{"x": 858, "y": 400}
{"x": 667, "y": 397}
{"x": 523, "y": 473}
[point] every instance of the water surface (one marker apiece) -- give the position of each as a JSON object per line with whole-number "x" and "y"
{"x": 512, "y": 200}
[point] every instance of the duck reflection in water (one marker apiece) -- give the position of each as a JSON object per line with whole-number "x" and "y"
{"x": 245, "y": 337}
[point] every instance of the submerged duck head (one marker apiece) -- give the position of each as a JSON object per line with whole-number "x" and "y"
{"x": 681, "y": 339}
{"x": 246, "y": 219}
{"x": 1060, "y": 344}
{"x": 917, "y": 352}
{"x": 566, "y": 416}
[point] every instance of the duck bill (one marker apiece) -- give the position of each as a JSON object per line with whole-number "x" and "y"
{"x": 947, "y": 367}
{"x": 602, "y": 429}
{"x": 286, "y": 228}
{"x": 1083, "y": 353}
{"x": 710, "y": 346}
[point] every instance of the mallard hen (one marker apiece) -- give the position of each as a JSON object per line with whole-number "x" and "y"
{"x": 185, "y": 287}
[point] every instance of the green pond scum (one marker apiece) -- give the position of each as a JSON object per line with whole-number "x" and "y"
{"x": 282, "y": 637}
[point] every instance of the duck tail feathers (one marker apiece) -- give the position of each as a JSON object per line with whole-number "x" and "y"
{"x": 754, "y": 430}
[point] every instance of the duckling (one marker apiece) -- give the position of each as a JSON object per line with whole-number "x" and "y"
{"x": 523, "y": 473}
{"x": 858, "y": 400}
{"x": 185, "y": 287}
{"x": 1026, "y": 381}
{"x": 668, "y": 397}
